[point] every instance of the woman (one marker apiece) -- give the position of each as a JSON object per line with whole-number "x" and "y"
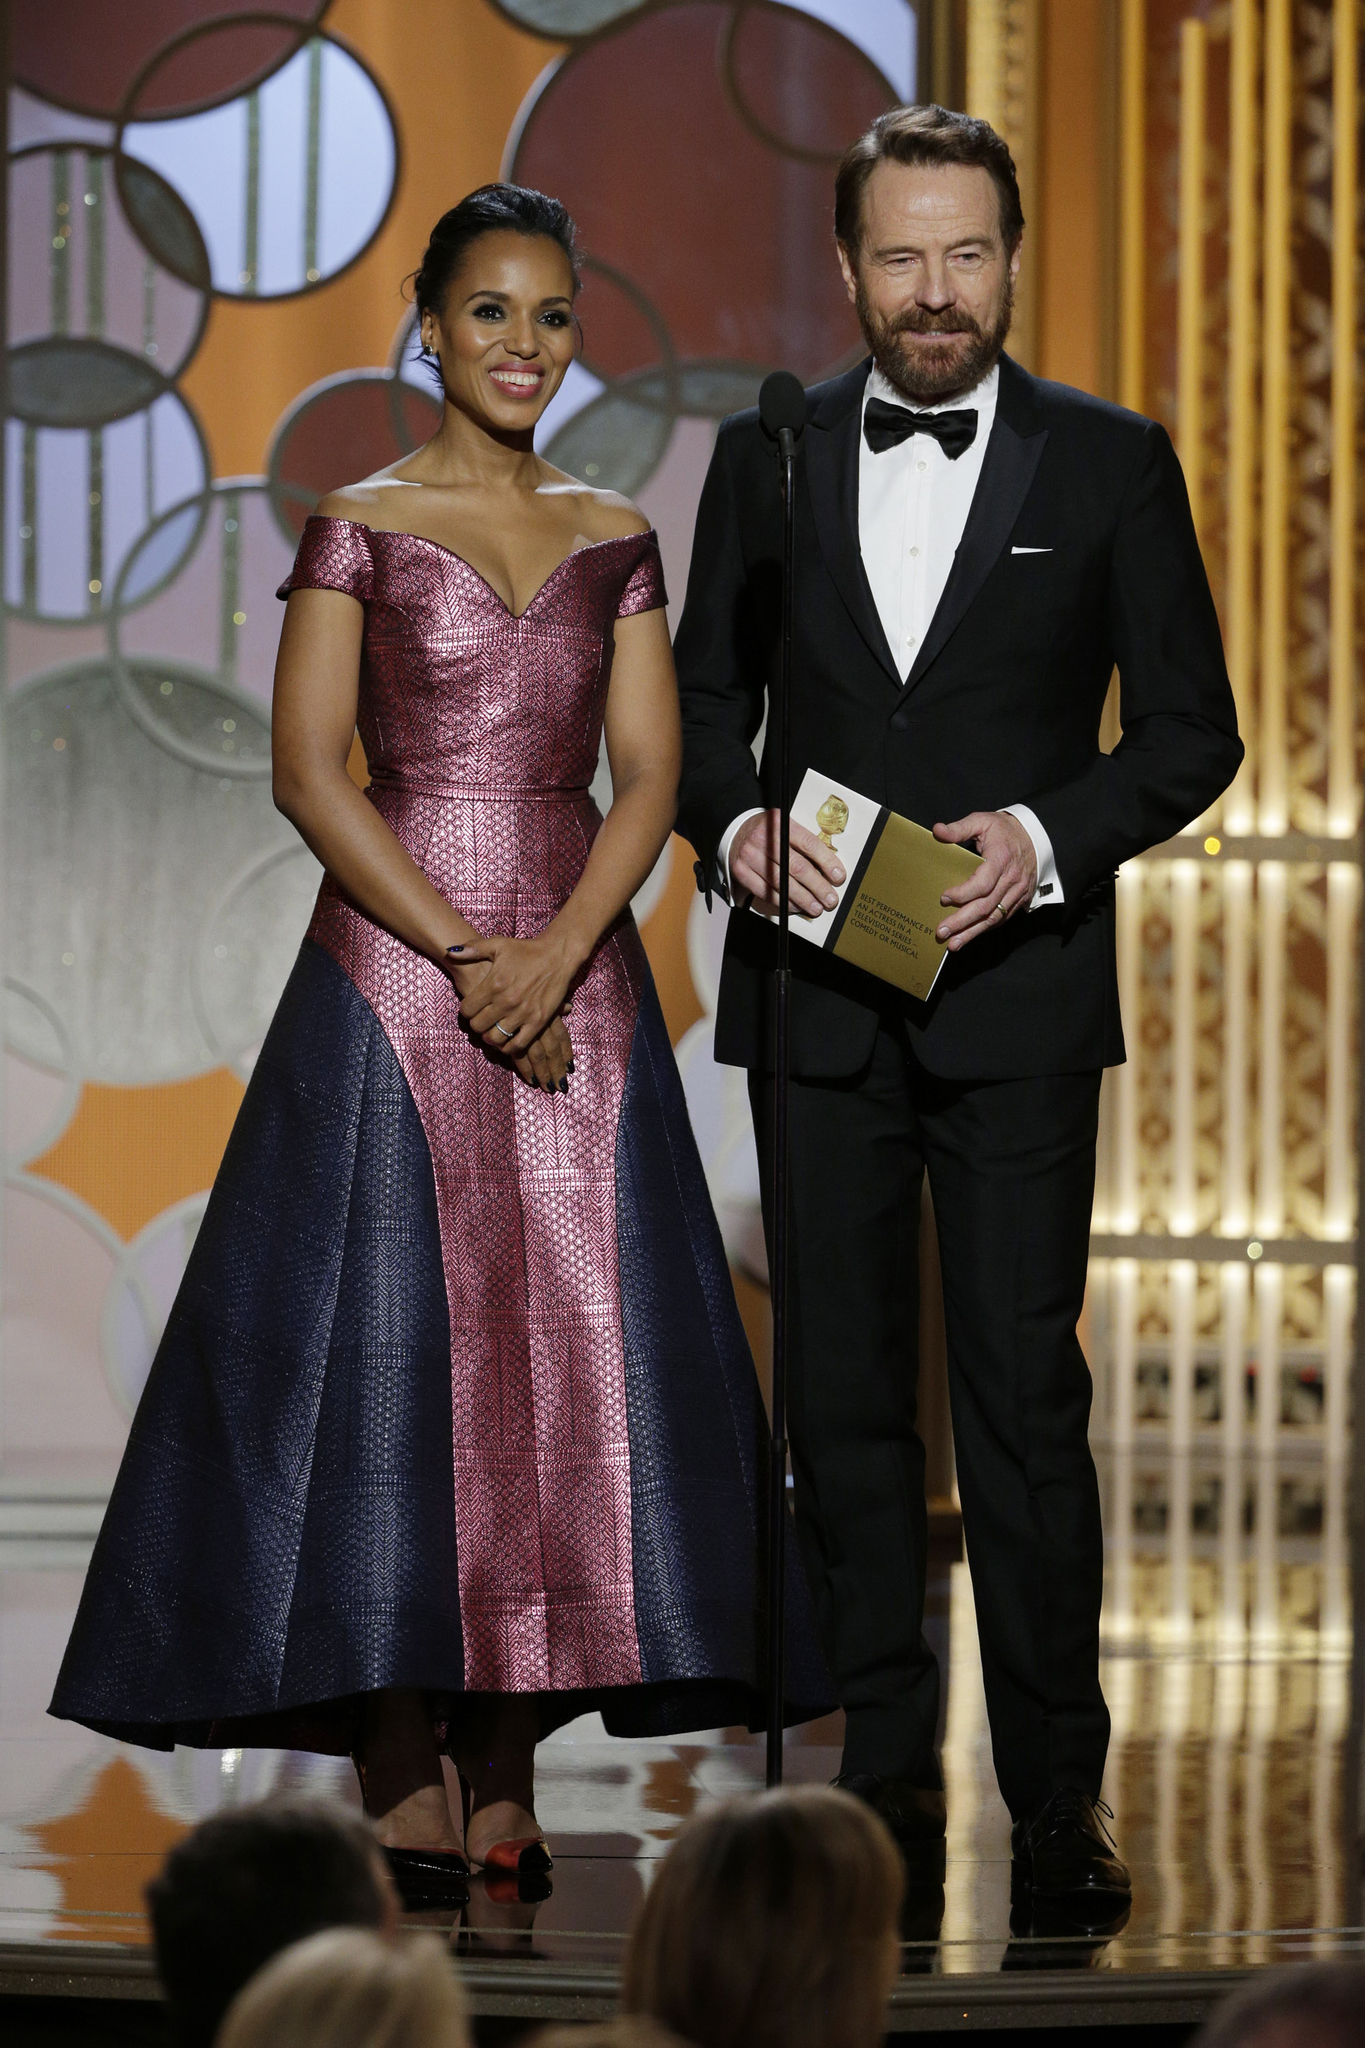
{"x": 772, "y": 1924}
{"x": 452, "y": 1432}
{"x": 346, "y": 1989}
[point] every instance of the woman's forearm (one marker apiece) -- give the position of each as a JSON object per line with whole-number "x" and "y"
{"x": 369, "y": 862}
{"x": 633, "y": 835}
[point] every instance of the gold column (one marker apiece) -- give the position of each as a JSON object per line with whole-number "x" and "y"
{"x": 1273, "y": 893}
{"x": 1127, "y": 1201}
{"x": 1184, "y": 1276}
{"x": 1182, "y": 1214}
{"x": 1343, "y": 900}
{"x": 1341, "y": 752}
{"x": 1003, "y": 65}
{"x": 1132, "y": 203}
{"x": 1239, "y": 803}
{"x": 1123, "y": 1310}
{"x": 1275, "y": 283}
{"x": 1236, "y": 1216}
{"x": 1269, "y": 1287}
{"x": 1338, "y": 1302}
{"x": 962, "y": 1733}
{"x": 1190, "y": 306}
{"x": 1232, "y": 1400}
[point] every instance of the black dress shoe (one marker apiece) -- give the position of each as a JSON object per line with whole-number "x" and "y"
{"x": 1066, "y": 1865}
{"x": 917, "y": 1816}
{"x": 429, "y": 1880}
{"x": 1063, "y": 1934}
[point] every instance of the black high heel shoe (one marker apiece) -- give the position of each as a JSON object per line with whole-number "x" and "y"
{"x": 426, "y": 1880}
{"x": 429, "y": 1880}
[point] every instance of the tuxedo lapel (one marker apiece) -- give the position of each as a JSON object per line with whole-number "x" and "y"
{"x": 1013, "y": 453}
{"x": 832, "y": 450}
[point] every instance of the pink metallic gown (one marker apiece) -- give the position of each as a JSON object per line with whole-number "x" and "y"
{"x": 455, "y": 1392}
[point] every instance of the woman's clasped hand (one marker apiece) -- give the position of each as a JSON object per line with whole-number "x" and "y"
{"x": 512, "y": 995}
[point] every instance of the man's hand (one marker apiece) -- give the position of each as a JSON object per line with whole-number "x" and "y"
{"x": 814, "y": 867}
{"x": 1004, "y": 882}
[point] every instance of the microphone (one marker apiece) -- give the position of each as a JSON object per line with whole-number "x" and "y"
{"x": 782, "y": 408}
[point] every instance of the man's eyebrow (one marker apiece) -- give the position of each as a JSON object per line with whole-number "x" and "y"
{"x": 915, "y": 248}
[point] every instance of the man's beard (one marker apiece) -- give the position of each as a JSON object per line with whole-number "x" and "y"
{"x": 929, "y": 375}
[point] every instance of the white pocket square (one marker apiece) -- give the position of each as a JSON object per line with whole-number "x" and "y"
{"x": 1030, "y": 551}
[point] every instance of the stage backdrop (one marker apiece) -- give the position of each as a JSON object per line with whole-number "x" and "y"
{"x": 210, "y": 222}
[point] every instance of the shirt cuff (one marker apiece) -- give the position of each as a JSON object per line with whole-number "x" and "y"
{"x": 1049, "y": 888}
{"x": 727, "y": 840}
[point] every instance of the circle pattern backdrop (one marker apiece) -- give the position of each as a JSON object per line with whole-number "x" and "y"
{"x": 706, "y": 190}
{"x": 155, "y": 897}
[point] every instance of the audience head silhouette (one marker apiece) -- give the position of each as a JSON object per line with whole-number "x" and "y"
{"x": 772, "y": 1924}
{"x": 627, "y": 2030}
{"x": 1314, "y": 2005}
{"x": 353, "y": 1989}
{"x": 246, "y": 1884}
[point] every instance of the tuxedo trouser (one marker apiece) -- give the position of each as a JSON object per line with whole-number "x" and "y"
{"x": 1011, "y": 1168}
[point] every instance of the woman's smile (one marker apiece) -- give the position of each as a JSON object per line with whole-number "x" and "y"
{"x": 517, "y": 380}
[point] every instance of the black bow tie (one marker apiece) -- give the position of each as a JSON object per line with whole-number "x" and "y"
{"x": 886, "y": 426}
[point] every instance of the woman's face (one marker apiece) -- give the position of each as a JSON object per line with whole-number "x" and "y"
{"x": 505, "y": 334}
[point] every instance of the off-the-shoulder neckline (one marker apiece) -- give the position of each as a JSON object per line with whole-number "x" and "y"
{"x": 400, "y": 533}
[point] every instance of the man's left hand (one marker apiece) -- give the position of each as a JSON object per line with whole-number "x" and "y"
{"x": 1004, "y": 882}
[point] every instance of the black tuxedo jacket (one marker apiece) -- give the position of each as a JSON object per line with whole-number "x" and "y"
{"x": 1002, "y": 706}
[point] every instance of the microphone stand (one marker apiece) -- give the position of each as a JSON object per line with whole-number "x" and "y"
{"x": 777, "y": 1506}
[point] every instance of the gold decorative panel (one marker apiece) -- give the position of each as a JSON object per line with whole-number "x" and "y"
{"x": 1223, "y": 1282}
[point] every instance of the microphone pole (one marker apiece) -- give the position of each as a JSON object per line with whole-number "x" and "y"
{"x": 782, "y": 409}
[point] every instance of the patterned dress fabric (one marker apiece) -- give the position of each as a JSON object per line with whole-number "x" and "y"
{"x": 454, "y": 1393}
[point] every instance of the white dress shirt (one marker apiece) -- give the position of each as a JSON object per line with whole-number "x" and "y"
{"x": 913, "y": 504}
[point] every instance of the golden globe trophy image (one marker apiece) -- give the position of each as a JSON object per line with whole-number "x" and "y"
{"x": 832, "y": 818}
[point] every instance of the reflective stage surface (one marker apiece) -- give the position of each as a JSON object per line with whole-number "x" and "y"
{"x": 1227, "y": 1672}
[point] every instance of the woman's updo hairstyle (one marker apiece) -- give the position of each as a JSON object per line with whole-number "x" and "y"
{"x": 492, "y": 210}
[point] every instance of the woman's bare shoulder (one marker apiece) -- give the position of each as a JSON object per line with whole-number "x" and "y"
{"x": 374, "y": 502}
{"x": 599, "y": 515}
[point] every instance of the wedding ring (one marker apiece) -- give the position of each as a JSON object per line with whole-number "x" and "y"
{"x": 505, "y": 1032}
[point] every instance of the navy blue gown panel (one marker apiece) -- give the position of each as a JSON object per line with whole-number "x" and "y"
{"x": 282, "y": 1532}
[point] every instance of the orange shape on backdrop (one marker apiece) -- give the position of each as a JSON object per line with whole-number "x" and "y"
{"x": 105, "y": 1853}
{"x": 129, "y": 1153}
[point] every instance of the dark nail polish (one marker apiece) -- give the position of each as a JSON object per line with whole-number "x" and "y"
{"x": 564, "y": 1085}
{"x": 454, "y": 949}
{"x": 569, "y": 1068}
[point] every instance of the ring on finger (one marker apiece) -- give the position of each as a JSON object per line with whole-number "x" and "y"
{"x": 504, "y": 1030}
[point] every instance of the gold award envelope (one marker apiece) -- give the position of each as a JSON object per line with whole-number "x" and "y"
{"x": 889, "y": 908}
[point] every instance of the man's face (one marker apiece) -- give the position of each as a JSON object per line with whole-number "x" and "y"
{"x": 930, "y": 278}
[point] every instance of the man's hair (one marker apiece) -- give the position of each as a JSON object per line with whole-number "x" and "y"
{"x": 351, "y": 1989}
{"x": 771, "y": 1924}
{"x": 243, "y": 1886}
{"x": 932, "y": 136}
{"x": 1312, "y": 2003}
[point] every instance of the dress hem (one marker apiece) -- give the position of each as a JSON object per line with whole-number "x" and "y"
{"x": 330, "y": 1727}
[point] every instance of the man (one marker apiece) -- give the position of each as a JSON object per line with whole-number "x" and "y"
{"x": 975, "y": 551}
{"x": 248, "y": 1883}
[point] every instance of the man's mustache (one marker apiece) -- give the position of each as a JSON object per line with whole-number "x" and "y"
{"x": 917, "y": 321}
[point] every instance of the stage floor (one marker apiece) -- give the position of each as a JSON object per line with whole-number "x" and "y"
{"x": 1226, "y": 1669}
